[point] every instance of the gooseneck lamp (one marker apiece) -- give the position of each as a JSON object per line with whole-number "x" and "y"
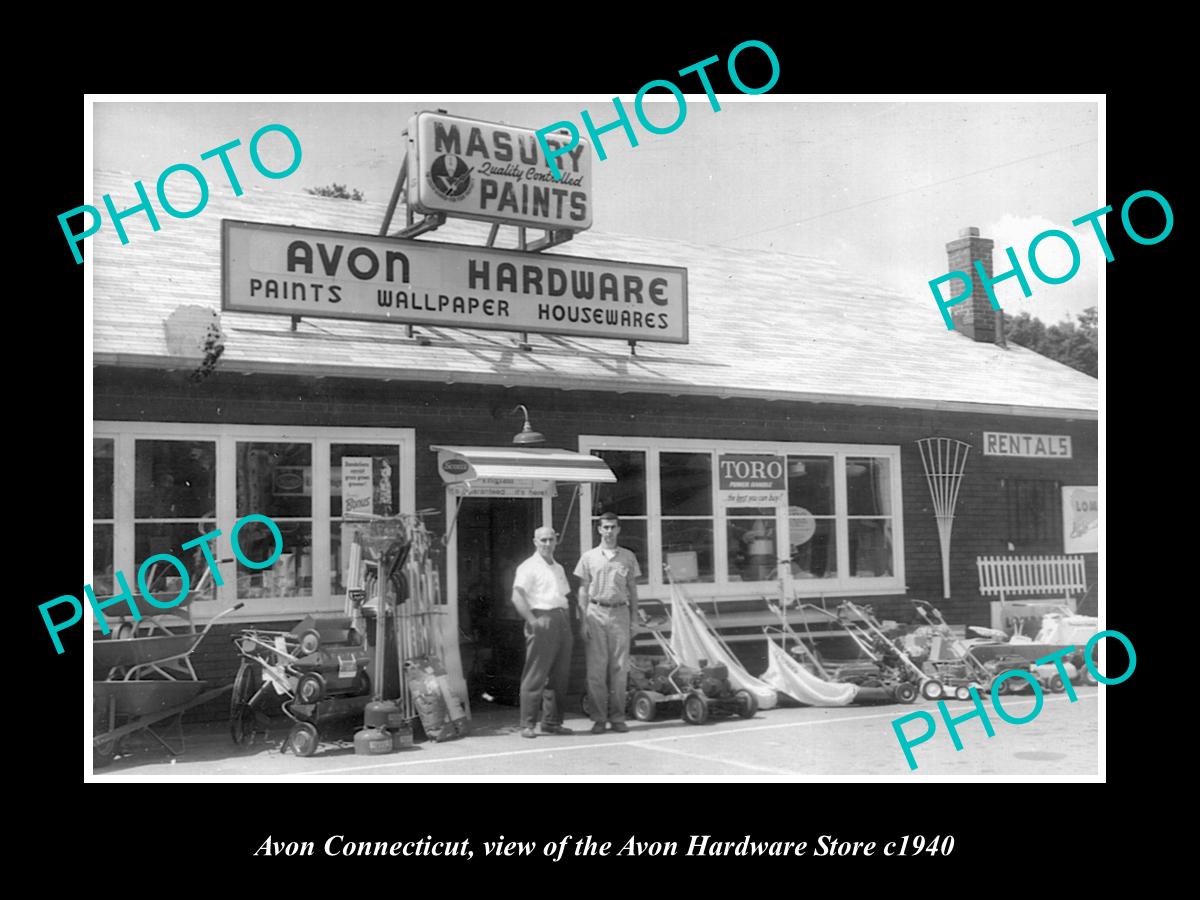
{"x": 526, "y": 435}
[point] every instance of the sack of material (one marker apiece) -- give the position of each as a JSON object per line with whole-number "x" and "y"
{"x": 693, "y": 641}
{"x": 793, "y": 681}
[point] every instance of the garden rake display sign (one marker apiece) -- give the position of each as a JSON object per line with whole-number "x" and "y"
{"x": 944, "y": 460}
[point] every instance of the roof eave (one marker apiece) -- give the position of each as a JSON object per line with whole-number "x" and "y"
{"x": 615, "y": 385}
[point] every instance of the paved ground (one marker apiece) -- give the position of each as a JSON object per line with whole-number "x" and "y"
{"x": 779, "y": 744}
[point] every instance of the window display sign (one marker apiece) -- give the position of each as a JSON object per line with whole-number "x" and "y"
{"x": 497, "y": 173}
{"x": 1081, "y": 519}
{"x": 358, "y": 488}
{"x": 503, "y": 487}
{"x": 1033, "y": 446}
{"x": 751, "y": 479}
{"x": 802, "y": 525}
{"x": 366, "y": 486}
{"x": 281, "y": 270}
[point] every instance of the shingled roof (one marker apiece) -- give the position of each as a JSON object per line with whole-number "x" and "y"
{"x": 762, "y": 324}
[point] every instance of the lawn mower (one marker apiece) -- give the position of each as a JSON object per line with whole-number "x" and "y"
{"x": 660, "y": 684}
{"x": 964, "y": 669}
{"x": 886, "y": 667}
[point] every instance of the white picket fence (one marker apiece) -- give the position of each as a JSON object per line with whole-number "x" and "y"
{"x": 1058, "y": 576}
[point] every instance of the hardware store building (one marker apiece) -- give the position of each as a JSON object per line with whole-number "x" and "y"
{"x": 789, "y": 359}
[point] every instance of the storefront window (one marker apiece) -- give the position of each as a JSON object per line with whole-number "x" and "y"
{"x": 751, "y": 547}
{"x": 628, "y": 496}
{"x": 159, "y": 485}
{"x": 685, "y": 495}
{"x": 869, "y": 504}
{"x": 364, "y": 479}
{"x": 275, "y": 480}
{"x": 174, "y": 480}
{"x": 832, "y": 529}
{"x": 812, "y": 531}
{"x": 174, "y": 502}
{"x": 102, "y": 516}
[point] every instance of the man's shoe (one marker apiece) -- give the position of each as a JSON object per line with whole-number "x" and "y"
{"x": 620, "y": 727}
{"x": 598, "y": 728}
{"x": 556, "y": 729}
{"x": 528, "y": 732}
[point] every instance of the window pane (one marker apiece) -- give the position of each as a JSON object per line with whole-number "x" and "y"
{"x": 102, "y": 560}
{"x": 752, "y": 548}
{"x": 274, "y": 480}
{"x": 687, "y": 547}
{"x": 174, "y": 479}
{"x": 686, "y": 483}
{"x": 632, "y": 537}
{"x": 378, "y": 494}
{"x": 628, "y": 496}
{"x": 810, "y": 484}
{"x": 871, "y": 548}
{"x": 817, "y": 556}
{"x": 869, "y": 486}
{"x": 102, "y": 478}
{"x": 290, "y": 576}
{"x": 163, "y": 578}
{"x": 341, "y": 535}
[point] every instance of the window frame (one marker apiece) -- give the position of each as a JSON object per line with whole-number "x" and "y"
{"x": 843, "y": 585}
{"x": 226, "y": 437}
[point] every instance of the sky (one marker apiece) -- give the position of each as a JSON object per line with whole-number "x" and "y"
{"x": 878, "y": 186}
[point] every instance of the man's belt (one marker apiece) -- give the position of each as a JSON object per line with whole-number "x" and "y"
{"x": 609, "y": 605}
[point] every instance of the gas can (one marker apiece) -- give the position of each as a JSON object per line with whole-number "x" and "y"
{"x": 372, "y": 742}
{"x": 402, "y": 737}
{"x": 383, "y": 714}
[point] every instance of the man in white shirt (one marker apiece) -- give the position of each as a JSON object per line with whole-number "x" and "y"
{"x": 540, "y": 596}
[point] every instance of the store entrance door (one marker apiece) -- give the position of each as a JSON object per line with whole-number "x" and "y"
{"x": 495, "y": 535}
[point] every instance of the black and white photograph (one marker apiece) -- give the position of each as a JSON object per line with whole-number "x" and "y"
{"x": 703, "y": 434}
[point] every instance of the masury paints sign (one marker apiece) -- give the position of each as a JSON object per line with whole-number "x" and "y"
{"x": 281, "y": 270}
{"x": 496, "y": 173}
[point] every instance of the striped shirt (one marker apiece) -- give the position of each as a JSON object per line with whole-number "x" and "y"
{"x": 608, "y": 574}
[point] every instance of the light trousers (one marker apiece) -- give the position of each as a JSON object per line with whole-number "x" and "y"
{"x": 606, "y": 633}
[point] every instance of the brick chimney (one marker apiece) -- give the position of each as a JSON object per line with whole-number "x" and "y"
{"x": 974, "y": 317}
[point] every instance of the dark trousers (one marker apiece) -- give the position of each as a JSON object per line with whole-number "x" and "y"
{"x": 547, "y": 667}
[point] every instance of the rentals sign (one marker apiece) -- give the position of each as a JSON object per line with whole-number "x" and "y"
{"x": 1033, "y": 446}
{"x": 288, "y": 271}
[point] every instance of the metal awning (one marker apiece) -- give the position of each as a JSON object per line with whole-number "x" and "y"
{"x": 459, "y": 464}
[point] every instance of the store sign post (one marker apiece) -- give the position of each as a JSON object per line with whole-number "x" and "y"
{"x": 281, "y": 270}
{"x": 497, "y": 173}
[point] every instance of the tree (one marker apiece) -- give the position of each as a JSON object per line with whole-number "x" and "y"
{"x": 1073, "y": 345}
{"x": 336, "y": 191}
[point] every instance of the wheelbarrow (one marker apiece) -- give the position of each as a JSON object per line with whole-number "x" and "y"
{"x": 148, "y": 680}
